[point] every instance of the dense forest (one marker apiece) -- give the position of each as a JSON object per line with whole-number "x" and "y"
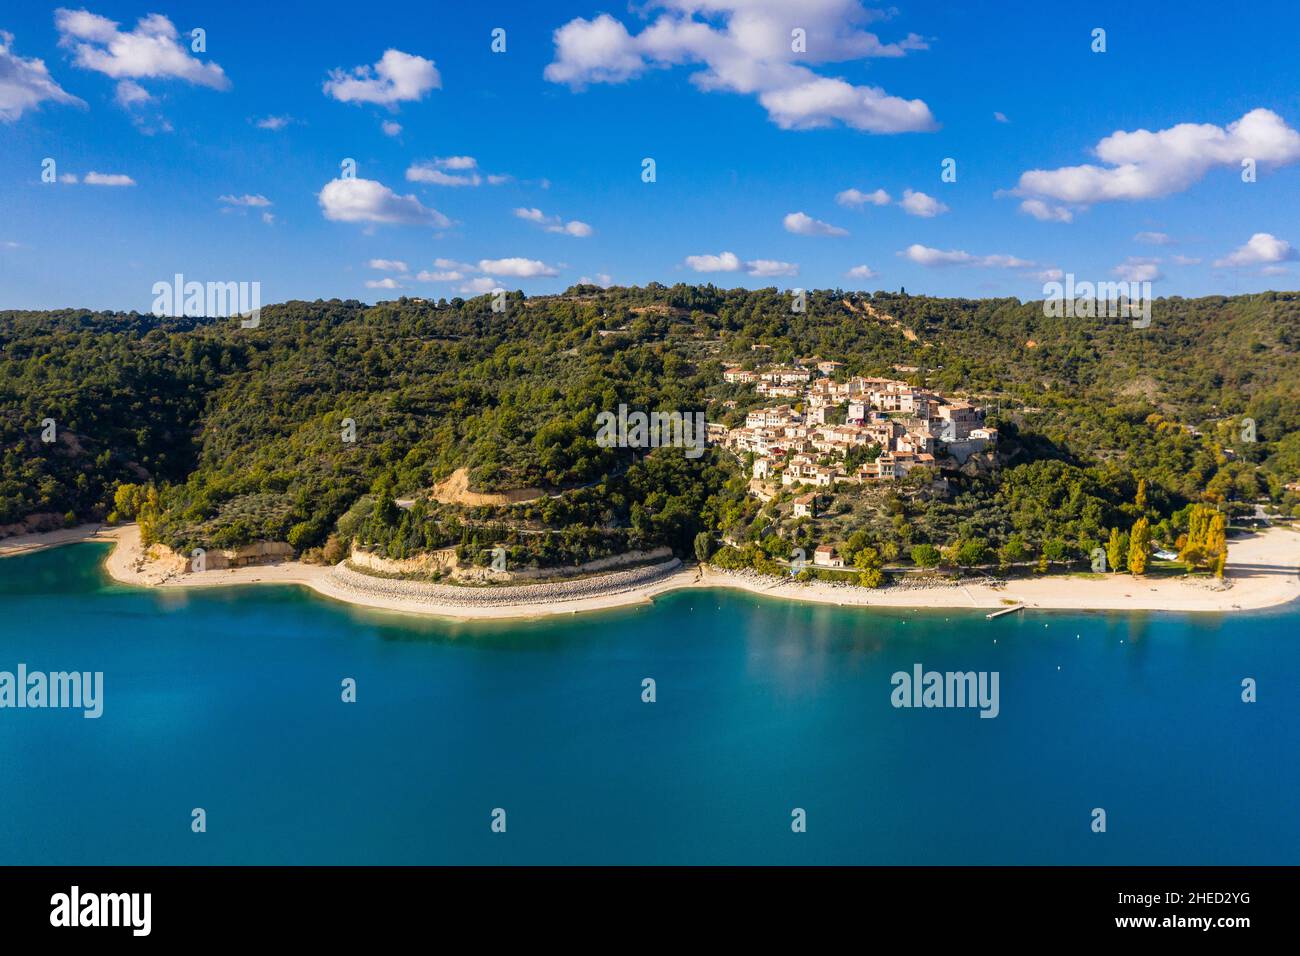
{"x": 314, "y": 426}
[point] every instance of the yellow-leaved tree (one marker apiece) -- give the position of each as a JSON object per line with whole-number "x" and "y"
{"x": 1206, "y": 544}
{"x": 1139, "y": 546}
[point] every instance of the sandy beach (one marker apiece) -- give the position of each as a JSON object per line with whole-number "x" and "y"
{"x": 1263, "y": 571}
{"x": 39, "y": 541}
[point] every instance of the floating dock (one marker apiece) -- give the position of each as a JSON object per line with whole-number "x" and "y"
{"x": 1006, "y": 610}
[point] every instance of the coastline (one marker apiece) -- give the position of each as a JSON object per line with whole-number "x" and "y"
{"x": 40, "y": 540}
{"x": 1263, "y": 571}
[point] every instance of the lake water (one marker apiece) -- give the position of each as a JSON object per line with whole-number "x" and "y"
{"x": 230, "y": 700}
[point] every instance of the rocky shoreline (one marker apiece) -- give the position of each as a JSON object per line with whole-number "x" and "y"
{"x": 349, "y": 581}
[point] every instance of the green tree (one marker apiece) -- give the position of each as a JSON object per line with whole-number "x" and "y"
{"x": 867, "y": 559}
{"x": 334, "y": 550}
{"x": 1056, "y": 550}
{"x": 387, "y": 513}
{"x": 127, "y": 499}
{"x": 871, "y": 578}
{"x": 970, "y": 552}
{"x": 703, "y": 546}
{"x": 1013, "y": 551}
{"x": 925, "y": 555}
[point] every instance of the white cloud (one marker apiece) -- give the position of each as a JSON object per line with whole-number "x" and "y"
{"x": 448, "y": 270}
{"x": 730, "y": 262}
{"x": 919, "y": 204}
{"x": 744, "y": 46}
{"x": 517, "y": 267}
{"x": 771, "y": 268}
{"x": 396, "y": 78}
{"x": 390, "y": 128}
{"x": 1135, "y": 269}
{"x": 257, "y": 200}
{"x": 153, "y": 50}
{"x": 25, "y": 84}
{"x": 452, "y": 171}
{"x": 1153, "y": 238}
{"x": 268, "y": 218}
{"x": 602, "y": 279}
{"x": 802, "y": 224}
{"x": 387, "y": 265}
{"x": 930, "y": 257}
{"x": 862, "y": 272}
{"x": 554, "y": 223}
{"x": 855, "y": 198}
{"x": 1000, "y": 117}
{"x": 130, "y": 93}
{"x": 480, "y": 285}
{"x": 458, "y": 162}
{"x": 1147, "y": 165}
{"x": 817, "y": 103}
{"x": 388, "y": 282}
{"x": 1261, "y": 249}
{"x": 477, "y": 278}
{"x": 107, "y": 179}
{"x": 273, "y": 123}
{"x": 1046, "y": 212}
{"x": 725, "y": 262}
{"x": 365, "y": 200}
{"x": 1185, "y": 260}
{"x": 426, "y": 173}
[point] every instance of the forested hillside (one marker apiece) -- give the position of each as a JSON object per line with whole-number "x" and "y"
{"x": 224, "y": 435}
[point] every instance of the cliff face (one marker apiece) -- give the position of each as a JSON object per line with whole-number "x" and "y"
{"x": 455, "y": 490}
{"x": 259, "y": 552}
{"x": 445, "y": 562}
{"x": 33, "y": 524}
{"x": 349, "y": 584}
{"x": 442, "y": 561}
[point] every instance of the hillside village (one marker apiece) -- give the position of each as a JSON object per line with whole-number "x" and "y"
{"x": 831, "y": 433}
{"x": 889, "y": 428}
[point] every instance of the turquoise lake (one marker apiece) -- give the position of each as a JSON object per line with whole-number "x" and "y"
{"x": 230, "y": 700}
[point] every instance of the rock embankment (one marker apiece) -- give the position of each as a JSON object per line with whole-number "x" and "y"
{"x": 349, "y": 581}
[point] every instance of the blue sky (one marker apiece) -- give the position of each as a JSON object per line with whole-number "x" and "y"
{"x": 753, "y": 142}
